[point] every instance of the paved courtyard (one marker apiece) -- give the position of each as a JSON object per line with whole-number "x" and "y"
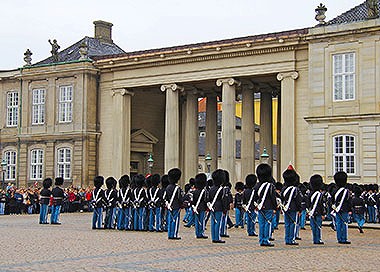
{"x": 73, "y": 246}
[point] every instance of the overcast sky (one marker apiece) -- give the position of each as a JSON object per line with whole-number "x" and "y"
{"x": 146, "y": 24}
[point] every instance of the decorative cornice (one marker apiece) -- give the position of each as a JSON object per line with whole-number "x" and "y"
{"x": 343, "y": 118}
{"x": 230, "y": 81}
{"x": 294, "y": 75}
{"x": 173, "y": 86}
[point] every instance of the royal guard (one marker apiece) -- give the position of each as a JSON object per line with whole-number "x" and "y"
{"x": 174, "y": 198}
{"x": 58, "y": 195}
{"x": 97, "y": 202}
{"x": 45, "y": 195}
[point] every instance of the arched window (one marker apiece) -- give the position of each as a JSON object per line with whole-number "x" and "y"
{"x": 344, "y": 154}
{"x": 36, "y": 164}
{"x": 10, "y": 172}
{"x": 64, "y": 162}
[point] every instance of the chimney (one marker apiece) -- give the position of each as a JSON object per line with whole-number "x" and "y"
{"x": 103, "y": 31}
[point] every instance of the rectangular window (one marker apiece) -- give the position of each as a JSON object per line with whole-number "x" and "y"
{"x": 10, "y": 172}
{"x": 64, "y": 163}
{"x": 344, "y": 154}
{"x": 12, "y": 109}
{"x": 65, "y": 107}
{"x": 36, "y": 164}
{"x": 344, "y": 76}
{"x": 38, "y": 107}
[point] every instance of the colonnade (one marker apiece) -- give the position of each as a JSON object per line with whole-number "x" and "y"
{"x": 181, "y": 127}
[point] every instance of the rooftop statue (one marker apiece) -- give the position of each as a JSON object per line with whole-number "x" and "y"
{"x": 54, "y": 49}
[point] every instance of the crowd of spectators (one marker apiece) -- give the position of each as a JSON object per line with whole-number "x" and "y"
{"x": 15, "y": 200}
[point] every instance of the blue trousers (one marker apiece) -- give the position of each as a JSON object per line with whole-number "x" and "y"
{"x": 109, "y": 221}
{"x": 173, "y": 223}
{"x": 155, "y": 219}
{"x": 43, "y": 213}
{"x": 371, "y": 214}
{"x": 251, "y": 222}
{"x": 359, "y": 219}
{"x": 139, "y": 218}
{"x": 341, "y": 226}
{"x": 200, "y": 223}
{"x": 2, "y": 208}
{"x": 124, "y": 218}
{"x": 216, "y": 225}
{"x": 316, "y": 227}
{"x": 276, "y": 219}
{"x": 291, "y": 220}
{"x": 265, "y": 228}
{"x": 223, "y": 224}
{"x": 97, "y": 218}
{"x": 239, "y": 217}
{"x": 55, "y": 211}
{"x": 303, "y": 219}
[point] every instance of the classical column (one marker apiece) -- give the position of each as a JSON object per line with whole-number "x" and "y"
{"x": 191, "y": 137}
{"x": 212, "y": 130}
{"x": 121, "y": 99}
{"x": 279, "y": 169}
{"x": 171, "y": 155}
{"x": 266, "y": 132}
{"x": 228, "y": 125}
{"x": 287, "y": 118}
{"x": 247, "y": 133}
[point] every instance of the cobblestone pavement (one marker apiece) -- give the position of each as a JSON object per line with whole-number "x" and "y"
{"x": 73, "y": 246}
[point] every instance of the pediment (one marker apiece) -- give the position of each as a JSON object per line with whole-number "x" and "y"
{"x": 143, "y": 136}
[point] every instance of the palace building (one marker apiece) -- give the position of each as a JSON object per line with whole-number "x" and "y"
{"x": 94, "y": 109}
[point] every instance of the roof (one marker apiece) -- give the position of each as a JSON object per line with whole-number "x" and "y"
{"x": 358, "y": 13}
{"x": 95, "y": 49}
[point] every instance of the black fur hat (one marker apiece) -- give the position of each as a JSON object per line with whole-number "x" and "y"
{"x": 174, "y": 175}
{"x": 139, "y": 180}
{"x": 340, "y": 179}
{"x": 227, "y": 180}
{"x": 98, "y": 181}
{"x": 47, "y": 183}
{"x": 218, "y": 177}
{"x": 148, "y": 180}
{"x": 264, "y": 172}
{"x": 278, "y": 185}
{"x": 290, "y": 177}
{"x": 200, "y": 180}
{"x": 250, "y": 180}
{"x": 155, "y": 179}
{"x": 357, "y": 190}
{"x": 316, "y": 182}
{"x": 110, "y": 182}
{"x": 376, "y": 187}
{"x": 58, "y": 181}
{"x": 239, "y": 186}
{"x": 124, "y": 181}
{"x": 164, "y": 181}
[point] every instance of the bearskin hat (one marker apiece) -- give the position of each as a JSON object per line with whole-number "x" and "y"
{"x": 200, "y": 180}
{"x": 47, "y": 183}
{"x": 139, "y": 180}
{"x": 124, "y": 181}
{"x": 110, "y": 182}
{"x": 264, "y": 172}
{"x": 376, "y": 187}
{"x": 210, "y": 182}
{"x": 278, "y": 185}
{"x": 164, "y": 181}
{"x": 227, "y": 180}
{"x": 218, "y": 177}
{"x": 174, "y": 175}
{"x": 155, "y": 179}
{"x": 316, "y": 182}
{"x": 98, "y": 181}
{"x": 58, "y": 181}
{"x": 290, "y": 177}
{"x": 148, "y": 180}
{"x": 357, "y": 190}
{"x": 250, "y": 180}
{"x": 340, "y": 179}
{"x": 239, "y": 186}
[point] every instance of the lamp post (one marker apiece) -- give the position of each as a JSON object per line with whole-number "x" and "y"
{"x": 208, "y": 160}
{"x": 264, "y": 157}
{"x": 150, "y": 163}
{"x": 3, "y": 169}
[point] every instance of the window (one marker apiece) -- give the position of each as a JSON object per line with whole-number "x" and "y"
{"x": 36, "y": 164}
{"x": 344, "y": 154}
{"x": 38, "y": 106}
{"x": 10, "y": 172}
{"x": 12, "y": 109}
{"x": 344, "y": 76}
{"x": 64, "y": 163}
{"x": 65, "y": 107}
